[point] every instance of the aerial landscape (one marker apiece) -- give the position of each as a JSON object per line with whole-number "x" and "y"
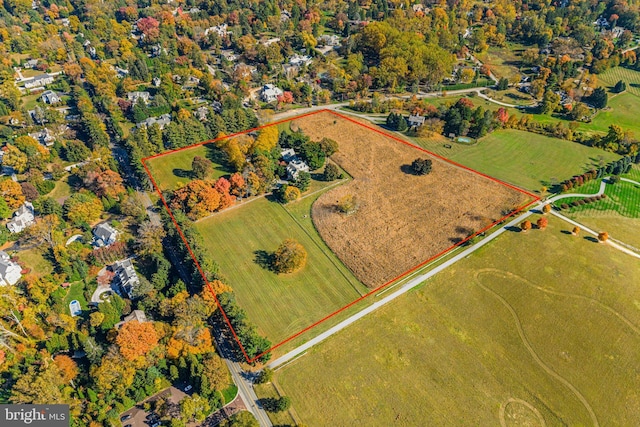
{"x": 319, "y": 213}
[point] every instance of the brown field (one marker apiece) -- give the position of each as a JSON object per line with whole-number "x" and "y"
{"x": 402, "y": 219}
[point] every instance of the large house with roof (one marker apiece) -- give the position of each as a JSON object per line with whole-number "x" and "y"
{"x": 104, "y": 235}
{"x": 161, "y": 121}
{"x": 50, "y": 97}
{"x": 10, "y": 272}
{"x": 133, "y": 97}
{"x": 39, "y": 81}
{"x": 126, "y": 276}
{"x": 22, "y": 218}
{"x": 270, "y": 93}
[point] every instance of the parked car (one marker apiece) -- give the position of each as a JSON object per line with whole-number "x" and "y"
{"x": 125, "y": 417}
{"x": 188, "y": 388}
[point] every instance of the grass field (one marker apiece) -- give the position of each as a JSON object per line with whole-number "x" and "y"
{"x": 397, "y": 209}
{"x": 630, "y": 77}
{"x": 175, "y": 169}
{"x": 34, "y": 259}
{"x": 280, "y": 305}
{"x": 522, "y": 158}
{"x": 623, "y": 112}
{"x": 543, "y": 318}
{"x": 503, "y": 61}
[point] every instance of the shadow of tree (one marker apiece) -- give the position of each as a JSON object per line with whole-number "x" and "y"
{"x": 591, "y": 239}
{"x": 182, "y": 173}
{"x": 408, "y": 170}
{"x": 264, "y": 259}
{"x": 514, "y": 229}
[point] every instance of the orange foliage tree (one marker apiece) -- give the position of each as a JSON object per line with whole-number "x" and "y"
{"x": 105, "y": 183}
{"x": 67, "y": 367}
{"x": 603, "y": 236}
{"x": 196, "y": 199}
{"x": 542, "y": 223}
{"x": 11, "y": 192}
{"x": 525, "y": 225}
{"x": 135, "y": 339}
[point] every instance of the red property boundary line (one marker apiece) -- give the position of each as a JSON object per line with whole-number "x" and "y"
{"x": 406, "y": 273}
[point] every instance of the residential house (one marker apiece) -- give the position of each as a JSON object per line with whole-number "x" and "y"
{"x": 121, "y": 72}
{"x": 287, "y": 154}
{"x": 201, "y": 113}
{"x": 135, "y": 96}
{"x": 10, "y": 272}
{"x": 22, "y": 218}
{"x": 415, "y": 120}
{"x": 126, "y": 277}
{"x": 161, "y": 121}
{"x": 329, "y": 40}
{"x": 104, "y": 235}
{"x": 38, "y": 81}
{"x": 300, "y": 60}
{"x": 291, "y": 71}
{"x": 217, "y": 106}
{"x": 32, "y": 63}
{"x": 296, "y": 166}
{"x": 50, "y": 97}
{"x": 220, "y": 30}
{"x": 229, "y": 55}
{"x": 137, "y": 315}
{"x": 270, "y": 93}
{"x": 44, "y": 137}
{"x": 156, "y": 81}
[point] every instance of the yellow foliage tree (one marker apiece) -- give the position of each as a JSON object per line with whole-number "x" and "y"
{"x": 135, "y": 339}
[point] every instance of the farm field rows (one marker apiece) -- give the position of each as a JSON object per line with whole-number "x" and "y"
{"x": 631, "y": 77}
{"x": 521, "y": 158}
{"x": 512, "y": 327}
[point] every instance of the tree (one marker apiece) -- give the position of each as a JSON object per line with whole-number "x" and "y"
{"x": 302, "y": 181}
{"x": 329, "y": 146}
{"x": 620, "y": 87}
{"x": 348, "y": 204}
{"x": 289, "y": 257}
{"x": 136, "y": 339}
{"x": 14, "y": 158}
{"x": 599, "y": 98}
{"x": 29, "y": 190}
{"x": 5, "y": 212}
{"x": 290, "y": 193}
{"x": 421, "y": 166}
{"x": 195, "y": 407}
{"x": 282, "y": 404}
{"x": 201, "y": 167}
{"x": 76, "y": 151}
{"x": 241, "y": 419}
{"x": 105, "y": 183}
{"x": 11, "y": 192}
{"x": 550, "y": 102}
{"x": 331, "y": 172}
{"x": 265, "y": 376}
{"x": 238, "y": 184}
{"x": 82, "y": 207}
{"x": 575, "y": 231}
{"x": 67, "y": 367}
{"x": 546, "y": 208}
{"x": 542, "y": 223}
{"x": 603, "y": 236}
{"x": 149, "y": 239}
{"x": 525, "y": 225}
{"x": 503, "y": 84}
{"x": 196, "y": 199}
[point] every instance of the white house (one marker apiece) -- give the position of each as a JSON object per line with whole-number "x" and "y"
{"x": 38, "y": 81}
{"x": 201, "y": 113}
{"x": 22, "y": 218}
{"x": 415, "y": 120}
{"x": 10, "y": 272}
{"x": 135, "y": 96}
{"x": 270, "y": 93}
{"x": 126, "y": 275}
{"x": 300, "y": 60}
{"x": 104, "y": 235}
{"x": 161, "y": 121}
{"x": 156, "y": 81}
{"x": 288, "y": 154}
{"x": 50, "y": 97}
{"x": 296, "y": 166}
{"x": 32, "y": 63}
{"x": 44, "y": 137}
{"x": 220, "y": 30}
{"x": 329, "y": 40}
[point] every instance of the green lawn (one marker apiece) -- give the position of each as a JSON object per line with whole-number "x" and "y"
{"x": 623, "y": 112}
{"x": 503, "y": 61}
{"x": 522, "y": 158}
{"x": 76, "y": 292}
{"x": 543, "y": 317}
{"x": 174, "y": 169}
{"x": 61, "y": 190}
{"x": 34, "y": 260}
{"x": 630, "y": 77}
{"x": 280, "y": 305}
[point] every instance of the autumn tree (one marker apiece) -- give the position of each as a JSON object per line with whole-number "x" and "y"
{"x": 603, "y": 236}
{"x": 266, "y": 140}
{"x": 542, "y": 223}
{"x": 546, "y": 208}
{"x": 241, "y": 419}
{"x": 196, "y": 199}
{"x": 67, "y": 367}
{"x": 575, "y": 231}
{"x": 136, "y": 339}
{"x": 525, "y": 225}
{"x": 82, "y": 207}
{"x": 195, "y": 408}
{"x": 348, "y": 204}
{"x": 14, "y": 158}
{"x": 289, "y": 193}
{"x": 105, "y": 183}
{"x": 238, "y": 184}
{"x": 149, "y": 238}
{"x": 289, "y": 257}
{"x": 201, "y": 167}
{"x": 11, "y": 192}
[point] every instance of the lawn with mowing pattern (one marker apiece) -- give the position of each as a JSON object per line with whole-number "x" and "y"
{"x": 522, "y": 158}
{"x": 631, "y": 77}
{"x": 544, "y": 317}
{"x": 279, "y": 304}
{"x": 172, "y": 170}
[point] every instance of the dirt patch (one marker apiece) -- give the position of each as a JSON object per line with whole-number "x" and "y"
{"x": 402, "y": 219}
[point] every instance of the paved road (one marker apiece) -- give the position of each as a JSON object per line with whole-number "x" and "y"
{"x": 420, "y": 279}
{"x": 244, "y": 382}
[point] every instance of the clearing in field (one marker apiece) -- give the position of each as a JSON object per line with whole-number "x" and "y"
{"x": 524, "y": 159}
{"x": 402, "y": 219}
{"x": 541, "y": 320}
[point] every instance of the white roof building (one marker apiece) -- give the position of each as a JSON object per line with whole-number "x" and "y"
{"x": 161, "y": 121}
{"x": 22, "y": 218}
{"x": 10, "y": 272}
{"x": 38, "y": 81}
{"x": 270, "y": 93}
{"x": 50, "y": 97}
{"x": 44, "y": 137}
{"x": 104, "y": 235}
{"x": 126, "y": 275}
{"x": 135, "y": 96}
{"x": 220, "y": 30}
{"x": 300, "y": 60}
{"x": 416, "y": 120}
{"x": 296, "y": 166}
